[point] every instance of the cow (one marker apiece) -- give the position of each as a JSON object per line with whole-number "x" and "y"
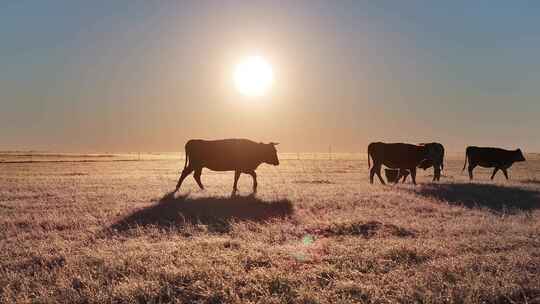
{"x": 405, "y": 157}
{"x": 238, "y": 155}
{"x": 487, "y": 157}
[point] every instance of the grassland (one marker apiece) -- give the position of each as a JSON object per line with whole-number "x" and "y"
{"x": 108, "y": 231}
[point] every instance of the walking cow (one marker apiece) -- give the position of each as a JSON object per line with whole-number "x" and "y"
{"x": 405, "y": 157}
{"x": 486, "y": 157}
{"x": 238, "y": 155}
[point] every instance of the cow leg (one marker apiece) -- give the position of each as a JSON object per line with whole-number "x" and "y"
{"x": 187, "y": 171}
{"x": 376, "y": 170}
{"x": 413, "y": 175}
{"x": 400, "y": 174}
{"x": 372, "y": 173}
{"x": 398, "y": 177}
{"x": 436, "y": 174}
{"x": 197, "y": 177}
{"x": 380, "y": 177}
{"x": 505, "y": 173}
{"x": 406, "y": 173}
{"x": 254, "y": 176}
{"x": 494, "y": 172}
{"x": 471, "y": 168}
{"x": 236, "y": 177}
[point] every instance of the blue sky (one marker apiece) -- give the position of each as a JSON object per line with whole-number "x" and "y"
{"x": 147, "y": 76}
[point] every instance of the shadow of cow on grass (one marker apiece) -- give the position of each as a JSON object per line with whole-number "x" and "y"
{"x": 495, "y": 198}
{"x": 215, "y": 212}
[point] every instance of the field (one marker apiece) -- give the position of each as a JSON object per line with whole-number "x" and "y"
{"x": 104, "y": 229}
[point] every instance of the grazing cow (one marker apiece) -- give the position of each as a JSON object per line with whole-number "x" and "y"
{"x": 238, "y": 155}
{"x": 486, "y": 157}
{"x": 405, "y": 157}
{"x": 437, "y": 152}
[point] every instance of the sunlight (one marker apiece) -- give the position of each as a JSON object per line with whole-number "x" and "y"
{"x": 253, "y": 76}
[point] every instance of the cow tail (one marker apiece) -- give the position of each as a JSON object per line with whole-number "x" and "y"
{"x": 442, "y": 161}
{"x": 466, "y": 157}
{"x": 187, "y": 156}
{"x": 185, "y": 164}
{"x": 368, "y": 162}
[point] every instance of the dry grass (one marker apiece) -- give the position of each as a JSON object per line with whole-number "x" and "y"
{"x": 317, "y": 232}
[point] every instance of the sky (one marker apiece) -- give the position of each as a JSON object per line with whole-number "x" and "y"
{"x": 136, "y": 76}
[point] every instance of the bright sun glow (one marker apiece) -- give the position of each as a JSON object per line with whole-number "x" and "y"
{"x": 253, "y": 76}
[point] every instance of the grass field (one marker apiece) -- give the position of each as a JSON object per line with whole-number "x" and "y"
{"x": 104, "y": 229}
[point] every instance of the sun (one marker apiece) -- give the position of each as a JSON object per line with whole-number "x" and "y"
{"x": 253, "y": 76}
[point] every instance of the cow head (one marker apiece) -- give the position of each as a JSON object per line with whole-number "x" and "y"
{"x": 518, "y": 156}
{"x": 269, "y": 154}
{"x": 434, "y": 157}
{"x": 425, "y": 164}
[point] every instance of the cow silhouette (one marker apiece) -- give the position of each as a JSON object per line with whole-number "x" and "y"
{"x": 238, "y": 155}
{"x": 405, "y": 157}
{"x": 488, "y": 157}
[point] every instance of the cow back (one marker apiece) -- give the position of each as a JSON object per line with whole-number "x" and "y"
{"x": 225, "y": 154}
{"x": 491, "y": 157}
{"x": 397, "y": 155}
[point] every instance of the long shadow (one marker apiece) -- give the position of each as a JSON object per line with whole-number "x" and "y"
{"x": 493, "y": 197}
{"x": 215, "y": 212}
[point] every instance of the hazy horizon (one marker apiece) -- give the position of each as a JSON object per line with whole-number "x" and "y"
{"x": 141, "y": 76}
{"x": 181, "y": 151}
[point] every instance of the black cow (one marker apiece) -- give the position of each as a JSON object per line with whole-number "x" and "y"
{"x": 238, "y": 155}
{"x": 486, "y": 157}
{"x": 405, "y": 157}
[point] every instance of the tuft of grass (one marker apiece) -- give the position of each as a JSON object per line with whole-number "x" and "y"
{"x": 317, "y": 181}
{"x": 403, "y": 255}
{"x": 364, "y": 229}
